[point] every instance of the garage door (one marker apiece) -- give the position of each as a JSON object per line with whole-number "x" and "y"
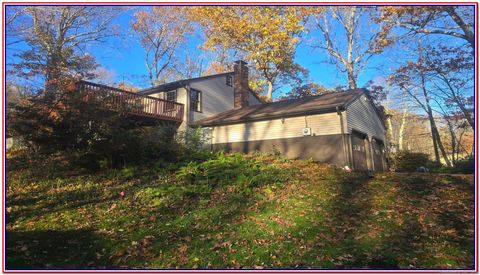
{"x": 359, "y": 152}
{"x": 377, "y": 147}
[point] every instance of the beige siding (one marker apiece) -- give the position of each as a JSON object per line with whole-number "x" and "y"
{"x": 183, "y": 98}
{"x": 217, "y": 97}
{"x": 320, "y": 124}
{"x": 361, "y": 116}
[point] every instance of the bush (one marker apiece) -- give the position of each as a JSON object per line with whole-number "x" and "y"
{"x": 465, "y": 165}
{"x": 236, "y": 170}
{"x": 129, "y": 146}
{"x": 462, "y": 166}
{"x": 194, "y": 138}
{"x": 406, "y": 161}
{"x": 86, "y": 132}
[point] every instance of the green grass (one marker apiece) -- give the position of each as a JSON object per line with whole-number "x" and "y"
{"x": 236, "y": 212}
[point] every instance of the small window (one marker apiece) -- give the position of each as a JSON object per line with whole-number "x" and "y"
{"x": 195, "y": 100}
{"x": 171, "y": 96}
{"x": 229, "y": 81}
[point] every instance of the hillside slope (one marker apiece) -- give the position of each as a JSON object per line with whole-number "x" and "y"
{"x": 236, "y": 212}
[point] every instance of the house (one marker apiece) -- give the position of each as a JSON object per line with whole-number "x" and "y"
{"x": 343, "y": 128}
{"x": 207, "y": 96}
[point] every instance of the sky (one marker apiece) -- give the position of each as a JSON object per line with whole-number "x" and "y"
{"x": 123, "y": 58}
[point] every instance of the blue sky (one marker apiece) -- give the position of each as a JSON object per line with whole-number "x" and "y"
{"x": 123, "y": 58}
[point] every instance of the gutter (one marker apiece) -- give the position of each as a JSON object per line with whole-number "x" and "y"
{"x": 326, "y": 109}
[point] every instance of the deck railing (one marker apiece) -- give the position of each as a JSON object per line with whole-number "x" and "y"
{"x": 118, "y": 99}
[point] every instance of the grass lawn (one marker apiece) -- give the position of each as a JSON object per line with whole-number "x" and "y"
{"x": 291, "y": 214}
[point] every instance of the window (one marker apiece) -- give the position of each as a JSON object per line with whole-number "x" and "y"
{"x": 195, "y": 100}
{"x": 171, "y": 95}
{"x": 229, "y": 81}
{"x": 358, "y": 148}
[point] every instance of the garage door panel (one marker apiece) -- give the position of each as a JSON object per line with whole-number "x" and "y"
{"x": 359, "y": 152}
{"x": 377, "y": 147}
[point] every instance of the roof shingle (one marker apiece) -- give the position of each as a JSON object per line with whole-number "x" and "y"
{"x": 305, "y": 105}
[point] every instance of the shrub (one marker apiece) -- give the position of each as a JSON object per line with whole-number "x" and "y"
{"x": 89, "y": 134}
{"x": 406, "y": 161}
{"x": 236, "y": 170}
{"x": 194, "y": 138}
{"x": 465, "y": 165}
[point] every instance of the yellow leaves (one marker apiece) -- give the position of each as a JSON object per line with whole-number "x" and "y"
{"x": 267, "y": 35}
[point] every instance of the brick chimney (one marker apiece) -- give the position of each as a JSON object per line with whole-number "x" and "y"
{"x": 240, "y": 84}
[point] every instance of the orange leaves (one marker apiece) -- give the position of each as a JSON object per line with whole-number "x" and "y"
{"x": 267, "y": 35}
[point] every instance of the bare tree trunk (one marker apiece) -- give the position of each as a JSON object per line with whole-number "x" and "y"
{"x": 434, "y": 138}
{"x": 454, "y": 140}
{"x": 390, "y": 129}
{"x": 350, "y": 53}
{"x": 402, "y": 128}
{"x": 437, "y": 142}
{"x": 442, "y": 148}
{"x": 352, "y": 82}
{"x": 270, "y": 90}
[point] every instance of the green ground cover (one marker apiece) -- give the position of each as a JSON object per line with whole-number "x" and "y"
{"x": 235, "y": 211}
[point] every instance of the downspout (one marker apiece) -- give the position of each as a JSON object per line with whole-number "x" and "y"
{"x": 187, "y": 106}
{"x": 342, "y": 130}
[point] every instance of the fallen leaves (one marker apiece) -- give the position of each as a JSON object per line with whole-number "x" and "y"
{"x": 326, "y": 219}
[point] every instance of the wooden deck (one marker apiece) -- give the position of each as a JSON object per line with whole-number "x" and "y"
{"x": 134, "y": 104}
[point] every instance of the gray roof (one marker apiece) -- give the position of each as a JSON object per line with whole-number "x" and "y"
{"x": 177, "y": 84}
{"x": 327, "y": 102}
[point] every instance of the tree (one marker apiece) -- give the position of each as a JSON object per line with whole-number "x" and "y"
{"x": 56, "y": 37}
{"x": 160, "y": 30}
{"x": 452, "y": 71}
{"x": 413, "y": 79}
{"x": 13, "y": 28}
{"x": 448, "y": 20}
{"x": 310, "y": 89}
{"x": 267, "y": 36}
{"x": 455, "y": 130}
{"x": 347, "y": 40}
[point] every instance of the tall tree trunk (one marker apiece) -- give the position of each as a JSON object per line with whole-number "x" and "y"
{"x": 433, "y": 126}
{"x": 402, "y": 128}
{"x": 434, "y": 138}
{"x": 352, "y": 82}
{"x": 270, "y": 90}
{"x": 437, "y": 142}
{"x": 52, "y": 78}
{"x": 441, "y": 147}
{"x": 454, "y": 140}
{"x": 390, "y": 129}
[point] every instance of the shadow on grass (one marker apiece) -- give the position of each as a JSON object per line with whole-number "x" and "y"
{"x": 352, "y": 212}
{"x": 414, "y": 226}
{"x": 351, "y": 235}
{"x": 55, "y": 249}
